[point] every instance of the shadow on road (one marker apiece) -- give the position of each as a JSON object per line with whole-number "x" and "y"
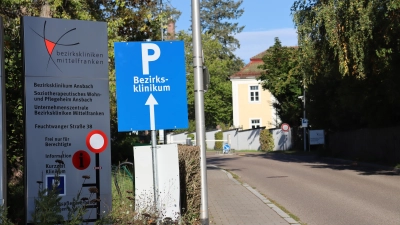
{"x": 310, "y": 160}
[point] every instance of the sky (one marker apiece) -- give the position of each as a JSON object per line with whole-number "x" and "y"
{"x": 263, "y": 20}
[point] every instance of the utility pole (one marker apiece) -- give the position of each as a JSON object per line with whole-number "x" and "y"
{"x": 199, "y": 108}
{"x": 304, "y": 115}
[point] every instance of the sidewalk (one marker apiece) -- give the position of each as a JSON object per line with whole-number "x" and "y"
{"x": 231, "y": 203}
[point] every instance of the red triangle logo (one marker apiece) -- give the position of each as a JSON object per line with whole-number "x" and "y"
{"x": 50, "y": 46}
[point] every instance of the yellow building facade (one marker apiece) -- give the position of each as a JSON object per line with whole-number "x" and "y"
{"x": 252, "y": 106}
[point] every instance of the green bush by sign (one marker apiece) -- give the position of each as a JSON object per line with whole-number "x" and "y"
{"x": 218, "y": 136}
{"x": 266, "y": 140}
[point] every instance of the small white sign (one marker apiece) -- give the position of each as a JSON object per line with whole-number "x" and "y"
{"x": 317, "y": 137}
{"x": 304, "y": 122}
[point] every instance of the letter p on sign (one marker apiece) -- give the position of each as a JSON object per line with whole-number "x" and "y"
{"x": 146, "y": 58}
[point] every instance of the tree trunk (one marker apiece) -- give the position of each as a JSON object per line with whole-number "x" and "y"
{"x": 45, "y": 11}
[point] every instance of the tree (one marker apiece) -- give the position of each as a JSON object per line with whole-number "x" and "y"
{"x": 282, "y": 78}
{"x": 215, "y": 17}
{"x": 218, "y": 46}
{"x": 218, "y": 99}
{"x": 349, "y": 54}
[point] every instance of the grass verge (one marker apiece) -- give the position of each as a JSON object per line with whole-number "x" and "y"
{"x": 285, "y": 210}
{"x": 235, "y": 176}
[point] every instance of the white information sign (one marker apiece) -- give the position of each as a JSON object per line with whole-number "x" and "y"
{"x": 317, "y": 137}
{"x": 67, "y": 115}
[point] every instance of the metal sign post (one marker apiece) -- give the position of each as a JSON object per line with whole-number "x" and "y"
{"x": 151, "y": 101}
{"x": 199, "y": 107}
{"x": 151, "y": 85}
{"x": 3, "y": 165}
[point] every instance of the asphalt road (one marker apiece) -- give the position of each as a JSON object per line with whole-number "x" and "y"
{"x": 320, "y": 191}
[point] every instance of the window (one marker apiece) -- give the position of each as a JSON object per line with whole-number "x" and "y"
{"x": 255, "y": 123}
{"x": 254, "y": 93}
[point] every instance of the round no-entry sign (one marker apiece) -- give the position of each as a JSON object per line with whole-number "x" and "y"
{"x": 96, "y": 141}
{"x": 285, "y": 127}
{"x": 81, "y": 160}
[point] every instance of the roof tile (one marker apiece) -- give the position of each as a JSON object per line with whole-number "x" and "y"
{"x": 251, "y": 70}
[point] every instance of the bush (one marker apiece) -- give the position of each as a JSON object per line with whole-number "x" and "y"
{"x": 266, "y": 140}
{"x": 191, "y": 136}
{"x": 190, "y": 182}
{"x": 3, "y": 216}
{"x": 190, "y": 192}
{"x": 218, "y": 136}
{"x": 48, "y": 211}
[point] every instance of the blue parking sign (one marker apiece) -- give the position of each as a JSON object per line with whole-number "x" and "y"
{"x": 151, "y": 85}
{"x": 61, "y": 187}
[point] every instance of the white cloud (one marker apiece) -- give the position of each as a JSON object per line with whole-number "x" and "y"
{"x": 254, "y": 42}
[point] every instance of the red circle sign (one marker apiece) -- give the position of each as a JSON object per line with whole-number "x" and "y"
{"x": 96, "y": 141}
{"x": 81, "y": 160}
{"x": 285, "y": 127}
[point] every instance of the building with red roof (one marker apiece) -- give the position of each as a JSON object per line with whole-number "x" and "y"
{"x": 252, "y": 106}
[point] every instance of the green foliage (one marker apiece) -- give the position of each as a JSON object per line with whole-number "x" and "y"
{"x": 4, "y": 220}
{"x": 218, "y": 99}
{"x": 16, "y": 194}
{"x": 218, "y": 44}
{"x": 47, "y": 209}
{"x": 123, "y": 195}
{"x": 283, "y": 79}
{"x": 14, "y": 114}
{"x": 349, "y": 53}
{"x": 191, "y": 136}
{"x": 190, "y": 182}
{"x": 191, "y": 128}
{"x": 122, "y": 150}
{"x": 48, "y": 205}
{"x": 224, "y": 127}
{"x": 129, "y": 21}
{"x": 123, "y": 204}
{"x": 266, "y": 140}
{"x": 215, "y": 15}
{"x": 218, "y": 136}
{"x": 354, "y": 31}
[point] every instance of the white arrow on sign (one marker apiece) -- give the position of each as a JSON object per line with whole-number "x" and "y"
{"x": 151, "y": 101}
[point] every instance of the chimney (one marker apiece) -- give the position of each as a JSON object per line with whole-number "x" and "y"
{"x": 171, "y": 30}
